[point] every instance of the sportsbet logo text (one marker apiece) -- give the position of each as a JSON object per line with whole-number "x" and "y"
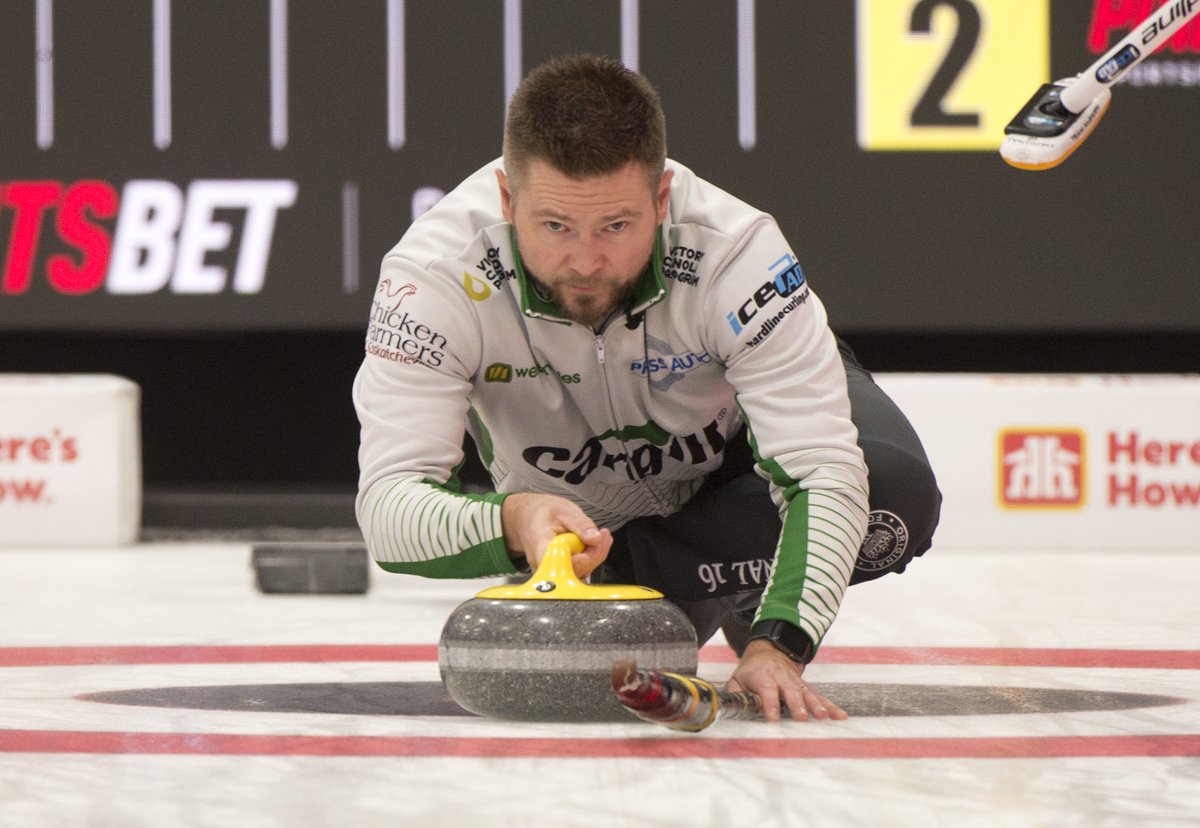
{"x": 151, "y": 235}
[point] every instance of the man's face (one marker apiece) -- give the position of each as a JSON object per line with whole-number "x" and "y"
{"x": 585, "y": 241}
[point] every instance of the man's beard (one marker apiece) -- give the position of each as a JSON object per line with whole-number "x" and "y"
{"x": 590, "y": 309}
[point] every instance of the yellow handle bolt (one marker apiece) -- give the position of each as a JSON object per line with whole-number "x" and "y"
{"x": 555, "y": 580}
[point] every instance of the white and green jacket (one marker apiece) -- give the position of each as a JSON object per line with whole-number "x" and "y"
{"x": 723, "y": 331}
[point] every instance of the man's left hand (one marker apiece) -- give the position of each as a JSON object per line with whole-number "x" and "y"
{"x": 777, "y": 679}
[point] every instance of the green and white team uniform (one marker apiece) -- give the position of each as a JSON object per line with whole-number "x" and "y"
{"x": 723, "y": 332}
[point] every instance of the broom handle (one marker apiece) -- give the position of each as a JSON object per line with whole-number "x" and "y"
{"x": 1139, "y": 44}
{"x": 678, "y": 702}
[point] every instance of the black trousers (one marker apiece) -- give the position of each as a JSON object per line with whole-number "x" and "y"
{"x": 713, "y": 556}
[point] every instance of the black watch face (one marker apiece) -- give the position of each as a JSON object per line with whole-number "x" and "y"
{"x": 787, "y": 638}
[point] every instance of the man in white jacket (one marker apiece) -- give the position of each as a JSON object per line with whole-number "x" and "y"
{"x": 639, "y": 359}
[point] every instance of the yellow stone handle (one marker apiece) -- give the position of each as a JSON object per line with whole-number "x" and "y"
{"x": 555, "y": 580}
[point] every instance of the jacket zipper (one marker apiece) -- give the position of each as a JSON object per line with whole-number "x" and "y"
{"x": 612, "y": 419}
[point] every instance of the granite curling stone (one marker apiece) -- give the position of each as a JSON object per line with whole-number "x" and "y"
{"x": 544, "y": 650}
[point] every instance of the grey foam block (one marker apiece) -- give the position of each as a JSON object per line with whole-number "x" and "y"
{"x": 311, "y": 568}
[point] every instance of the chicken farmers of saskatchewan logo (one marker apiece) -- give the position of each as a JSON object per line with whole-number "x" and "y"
{"x": 394, "y": 296}
{"x": 397, "y": 336}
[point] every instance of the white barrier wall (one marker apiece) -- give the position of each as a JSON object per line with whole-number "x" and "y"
{"x": 1088, "y": 462}
{"x": 70, "y": 460}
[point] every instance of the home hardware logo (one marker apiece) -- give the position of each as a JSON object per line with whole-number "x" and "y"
{"x": 1042, "y": 468}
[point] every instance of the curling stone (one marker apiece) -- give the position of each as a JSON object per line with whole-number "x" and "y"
{"x": 544, "y": 650}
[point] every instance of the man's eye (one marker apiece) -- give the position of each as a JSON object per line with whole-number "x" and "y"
{"x": 555, "y": 226}
{"x": 618, "y": 226}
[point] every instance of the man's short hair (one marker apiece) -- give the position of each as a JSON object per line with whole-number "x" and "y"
{"x": 585, "y": 115}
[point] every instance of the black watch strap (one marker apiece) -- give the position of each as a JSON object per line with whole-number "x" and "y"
{"x": 787, "y": 638}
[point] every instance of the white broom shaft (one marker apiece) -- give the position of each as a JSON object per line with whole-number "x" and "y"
{"x": 1087, "y": 86}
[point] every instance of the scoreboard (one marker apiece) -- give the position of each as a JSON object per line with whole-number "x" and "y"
{"x": 206, "y": 165}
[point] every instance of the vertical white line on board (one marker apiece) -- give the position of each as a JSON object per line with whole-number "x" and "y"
{"x": 629, "y": 33}
{"x": 747, "y": 107}
{"x": 395, "y": 74}
{"x": 162, "y": 73}
{"x": 350, "y": 231}
{"x": 44, "y": 73}
{"x": 512, "y": 49}
{"x": 279, "y": 74}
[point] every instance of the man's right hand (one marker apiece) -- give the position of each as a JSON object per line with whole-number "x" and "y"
{"x": 531, "y": 521}
{"x": 775, "y": 678}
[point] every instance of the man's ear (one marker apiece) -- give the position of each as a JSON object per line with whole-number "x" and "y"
{"x": 505, "y": 195}
{"x": 664, "y": 195}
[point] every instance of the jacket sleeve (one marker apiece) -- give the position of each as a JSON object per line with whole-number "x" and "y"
{"x": 411, "y": 395}
{"x": 783, "y": 363}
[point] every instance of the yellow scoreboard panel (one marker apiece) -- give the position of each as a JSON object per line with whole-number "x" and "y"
{"x": 947, "y": 74}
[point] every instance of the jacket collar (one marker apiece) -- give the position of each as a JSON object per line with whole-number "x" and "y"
{"x": 650, "y": 288}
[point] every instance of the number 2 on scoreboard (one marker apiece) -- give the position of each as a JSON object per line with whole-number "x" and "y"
{"x": 946, "y": 74}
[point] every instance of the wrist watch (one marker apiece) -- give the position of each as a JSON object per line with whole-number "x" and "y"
{"x": 787, "y": 638}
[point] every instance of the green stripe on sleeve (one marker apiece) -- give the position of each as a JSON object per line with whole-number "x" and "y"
{"x": 479, "y": 561}
{"x": 791, "y": 567}
{"x": 483, "y": 559}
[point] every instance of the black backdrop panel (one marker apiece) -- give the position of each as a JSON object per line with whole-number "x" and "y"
{"x": 204, "y": 165}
